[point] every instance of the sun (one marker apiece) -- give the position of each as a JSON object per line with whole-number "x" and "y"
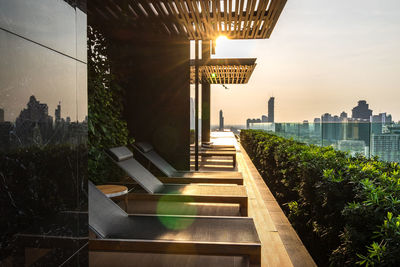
{"x": 221, "y": 40}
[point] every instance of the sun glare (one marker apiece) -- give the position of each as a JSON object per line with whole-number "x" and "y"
{"x": 221, "y": 40}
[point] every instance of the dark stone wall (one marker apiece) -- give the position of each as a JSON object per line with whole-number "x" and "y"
{"x": 43, "y": 152}
{"x": 155, "y": 75}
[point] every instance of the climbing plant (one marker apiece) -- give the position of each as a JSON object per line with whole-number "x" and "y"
{"x": 106, "y": 128}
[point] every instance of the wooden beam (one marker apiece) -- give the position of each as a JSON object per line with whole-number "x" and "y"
{"x": 193, "y": 19}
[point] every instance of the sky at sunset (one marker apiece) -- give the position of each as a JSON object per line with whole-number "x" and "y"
{"x": 323, "y": 56}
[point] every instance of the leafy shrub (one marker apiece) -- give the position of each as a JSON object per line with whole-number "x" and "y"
{"x": 106, "y": 128}
{"x": 344, "y": 208}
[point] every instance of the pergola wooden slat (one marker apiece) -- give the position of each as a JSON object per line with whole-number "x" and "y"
{"x": 224, "y": 71}
{"x": 195, "y": 19}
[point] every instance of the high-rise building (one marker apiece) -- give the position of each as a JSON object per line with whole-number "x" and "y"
{"x": 248, "y": 121}
{"x": 58, "y": 113}
{"x": 264, "y": 118}
{"x": 386, "y": 146}
{"x": 35, "y": 115}
{"x": 378, "y": 122}
{"x": 271, "y": 107}
{"x": 327, "y": 117}
{"x": 361, "y": 111}
{"x": 1, "y": 115}
{"x": 221, "y": 120}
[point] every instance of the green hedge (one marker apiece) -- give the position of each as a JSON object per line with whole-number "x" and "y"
{"x": 345, "y": 209}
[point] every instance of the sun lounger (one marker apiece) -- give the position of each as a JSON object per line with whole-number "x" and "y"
{"x": 217, "y": 153}
{"x": 235, "y": 194}
{"x": 117, "y": 231}
{"x": 146, "y": 150}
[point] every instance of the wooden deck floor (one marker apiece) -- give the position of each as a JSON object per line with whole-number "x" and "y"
{"x": 280, "y": 244}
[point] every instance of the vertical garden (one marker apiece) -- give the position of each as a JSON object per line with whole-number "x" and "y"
{"x": 106, "y": 127}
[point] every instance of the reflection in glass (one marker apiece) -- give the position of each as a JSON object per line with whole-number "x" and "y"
{"x": 43, "y": 136}
{"x": 48, "y": 22}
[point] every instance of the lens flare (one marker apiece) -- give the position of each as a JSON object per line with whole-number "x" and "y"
{"x": 168, "y": 204}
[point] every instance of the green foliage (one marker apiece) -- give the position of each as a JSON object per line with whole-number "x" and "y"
{"x": 345, "y": 209}
{"x": 106, "y": 128}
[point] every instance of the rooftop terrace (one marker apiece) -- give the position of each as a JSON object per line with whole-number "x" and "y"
{"x": 280, "y": 244}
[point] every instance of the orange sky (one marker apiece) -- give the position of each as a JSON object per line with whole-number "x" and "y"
{"x": 323, "y": 56}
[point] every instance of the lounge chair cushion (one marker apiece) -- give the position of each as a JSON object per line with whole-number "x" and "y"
{"x": 104, "y": 215}
{"x": 121, "y": 153}
{"x": 144, "y": 147}
{"x": 141, "y": 175}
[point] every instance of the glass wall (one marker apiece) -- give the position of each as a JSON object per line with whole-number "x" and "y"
{"x": 369, "y": 139}
{"x": 43, "y": 133}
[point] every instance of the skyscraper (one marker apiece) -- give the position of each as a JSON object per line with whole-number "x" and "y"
{"x": 221, "y": 120}
{"x": 1, "y": 115}
{"x": 361, "y": 111}
{"x": 271, "y": 107}
{"x": 58, "y": 113}
{"x": 35, "y": 115}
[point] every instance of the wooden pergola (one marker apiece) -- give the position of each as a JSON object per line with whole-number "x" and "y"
{"x": 196, "y": 20}
{"x": 223, "y": 71}
{"x": 193, "y": 19}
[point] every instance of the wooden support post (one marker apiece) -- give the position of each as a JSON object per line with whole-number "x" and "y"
{"x": 205, "y": 97}
{"x": 196, "y": 116}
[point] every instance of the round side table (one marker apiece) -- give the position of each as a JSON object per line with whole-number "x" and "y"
{"x": 115, "y": 191}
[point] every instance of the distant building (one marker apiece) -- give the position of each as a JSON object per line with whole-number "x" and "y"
{"x": 34, "y": 117}
{"x": 327, "y": 117}
{"x": 361, "y": 111}
{"x": 353, "y": 146}
{"x": 382, "y": 118}
{"x": 331, "y": 129}
{"x": 394, "y": 128}
{"x": 1, "y": 115}
{"x": 343, "y": 115}
{"x": 271, "y": 109}
{"x": 379, "y": 121}
{"x": 386, "y": 147}
{"x": 264, "y": 118}
{"x": 248, "y": 121}
{"x": 192, "y": 117}
{"x": 317, "y": 126}
{"x": 221, "y": 120}
{"x": 58, "y": 114}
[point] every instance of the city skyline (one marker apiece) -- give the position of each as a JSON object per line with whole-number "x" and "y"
{"x": 34, "y": 126}
{"x": 321, "y": 58}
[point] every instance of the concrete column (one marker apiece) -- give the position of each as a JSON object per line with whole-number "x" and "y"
{"x": 205, "y": 98}
{"x": 156, "y": 77}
